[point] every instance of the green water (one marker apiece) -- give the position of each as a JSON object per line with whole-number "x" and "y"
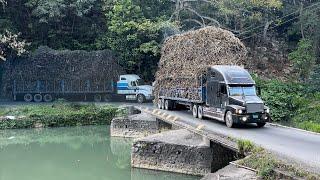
{"x": 76, "y": 153}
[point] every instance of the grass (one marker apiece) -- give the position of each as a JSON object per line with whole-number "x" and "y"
{"x": 57, "y": 115}
{"x": 309, "y": 126}
{"x": 266, "y": 164}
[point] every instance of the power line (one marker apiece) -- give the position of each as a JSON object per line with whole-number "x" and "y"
{"x": 308, "y": 7}
{"x": 280, "y": 24}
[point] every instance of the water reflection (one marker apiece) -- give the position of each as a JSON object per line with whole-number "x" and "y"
{"x": 77, "y": 153}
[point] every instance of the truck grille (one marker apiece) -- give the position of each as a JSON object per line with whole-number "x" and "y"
{"x": 255, "y": 107}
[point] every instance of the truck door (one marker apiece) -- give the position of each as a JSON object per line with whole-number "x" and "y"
{"x": 223, "y": 96}
{"x": 212, "y": 93}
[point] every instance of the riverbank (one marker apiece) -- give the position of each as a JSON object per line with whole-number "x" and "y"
{"x": 59, "y": 114}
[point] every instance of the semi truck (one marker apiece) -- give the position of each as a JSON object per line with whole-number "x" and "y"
{"x": 226, "y": 93}
{"x": 128, "y": 87}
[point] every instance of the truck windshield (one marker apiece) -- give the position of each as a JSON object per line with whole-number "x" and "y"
{"x": 140, "y": 82}
{"x": 239, "y": 91}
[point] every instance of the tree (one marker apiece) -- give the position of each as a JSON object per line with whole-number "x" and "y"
{"x": 9, "y": 42}
{"x": 304, "y": 58}
{"x": 134, "y": 35}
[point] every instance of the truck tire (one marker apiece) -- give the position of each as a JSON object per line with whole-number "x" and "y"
{"x": 261, "y": 124}
{"x": 159, "y": 103}
{"x": 200, "y": 112}
{"x": 47, "y": 98}
{"x": 37, "y": 98}
{"x": 195, "y": 111}
{"x": 97, "y": 98}
{"x": 168, "y": 104}
{"x": 28, "y": 97}
{"x": 107, "y": 98}
{"x": 141, "y": 98}
{"x": 229, "y": 120}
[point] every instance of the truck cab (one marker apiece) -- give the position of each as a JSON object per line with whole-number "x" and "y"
{"x": 232, "y": 96}
{"x": 134, "y": 88}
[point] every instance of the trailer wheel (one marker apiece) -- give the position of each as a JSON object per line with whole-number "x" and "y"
{"x": 160, "y": 103}
{"x": 37, "y": 98}
{"x": 27, "y": 97}
{"x": 97, "y": 98}
{"x": 107, "y": 98}
{"x": 195, "y": 111}
{"x": 47, "y": 98}
{"x": 141, "y": 98}
{"x": 229, "y": 119}
{"x": 200, "y": 112}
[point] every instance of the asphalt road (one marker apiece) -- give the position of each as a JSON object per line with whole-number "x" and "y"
{"x": 294, "y": 146}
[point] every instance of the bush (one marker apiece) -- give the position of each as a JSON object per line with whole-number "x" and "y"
{"x": 280, "y": 97}
{"x": 307, "y": 115}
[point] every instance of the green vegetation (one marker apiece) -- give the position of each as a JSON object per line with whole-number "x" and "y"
{"x": 267, "y": 164}
{"x": 293, "y": 103}
{"x": 56, "y": 115}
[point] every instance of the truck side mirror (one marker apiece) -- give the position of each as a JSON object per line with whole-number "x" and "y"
{"x": 259, "y": 90}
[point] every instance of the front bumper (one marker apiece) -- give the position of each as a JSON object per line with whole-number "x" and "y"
{"x": 150, "y": 98}
{"x": 251, "y": 118}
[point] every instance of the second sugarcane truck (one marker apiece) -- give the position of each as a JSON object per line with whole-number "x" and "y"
{"x": 128, "y": 87}
{"x": 227, "y": 93}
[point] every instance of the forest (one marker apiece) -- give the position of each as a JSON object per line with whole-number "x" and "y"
{"x": 282, "y": 38}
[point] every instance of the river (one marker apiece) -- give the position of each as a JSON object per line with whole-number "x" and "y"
{"x": 71, "y": 153}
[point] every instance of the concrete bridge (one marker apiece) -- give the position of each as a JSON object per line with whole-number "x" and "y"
{"x": 292, "y": 145}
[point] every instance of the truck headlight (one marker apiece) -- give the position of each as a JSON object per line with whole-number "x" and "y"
{"x": 244, "y": 118}
{"x": 239, "y": 111}
{"x": 267, "y": 111}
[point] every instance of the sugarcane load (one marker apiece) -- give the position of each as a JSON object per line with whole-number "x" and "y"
{"x": 203, "y": 71}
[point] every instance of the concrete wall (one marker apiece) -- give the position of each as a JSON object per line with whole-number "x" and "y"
{"x": 176, "y": 151}
{"x": 137, "y": 125}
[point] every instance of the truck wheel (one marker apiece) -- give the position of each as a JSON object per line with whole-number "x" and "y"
{"x": 37, "y": 98}
{"x": 195, "y": 111}
{"x": 47, "y": 98}
{"x": 159, "y": 103}
{"x": 107, "y": 98}
{"x": 141, "y": 98}
{"x": 260, "y": 124}
{"x": 167, "y": 104}
{"x": 229, "y": 120}
{"x": 27, "y": 97}
{"x": 200, "y": 112}
{"x": 97, "y": 98}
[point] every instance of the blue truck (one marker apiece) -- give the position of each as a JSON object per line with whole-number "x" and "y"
{"x": 226, "y": 93}
{"x": 129, "y": 87}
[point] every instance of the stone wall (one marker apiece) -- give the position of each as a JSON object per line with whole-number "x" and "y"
{"x": 176, "y": 151}
{"x": 221, "y": 156}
